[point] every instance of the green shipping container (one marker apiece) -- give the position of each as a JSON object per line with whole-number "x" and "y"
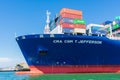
{"x": 116, "y": 26}
{"x": 78, "y": 21}
{"x": 117, "y": 18}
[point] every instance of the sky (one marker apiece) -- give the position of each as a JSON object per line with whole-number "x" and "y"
{"x": 22, "y": 17}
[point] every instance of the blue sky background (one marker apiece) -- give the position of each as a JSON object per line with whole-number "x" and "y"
{"x": 29, "y": 16}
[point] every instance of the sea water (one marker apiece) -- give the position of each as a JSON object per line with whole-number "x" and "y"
{"x": 84, "y": 76}
{"x": 12, "y": 76}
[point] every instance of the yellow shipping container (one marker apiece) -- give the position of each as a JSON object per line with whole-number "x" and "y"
{"x": 79, "y": 30}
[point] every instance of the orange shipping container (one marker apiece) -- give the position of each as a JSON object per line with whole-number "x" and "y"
{"x": 83, "y": 26}
{"x": 68, "y": 25}
{"x": 72, "y": 16}
{"x": 71, "y": 11}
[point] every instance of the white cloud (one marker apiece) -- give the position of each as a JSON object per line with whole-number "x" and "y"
{"x": 5, "y": 59}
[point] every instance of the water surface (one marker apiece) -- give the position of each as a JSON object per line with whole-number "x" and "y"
{"x": 84, "y": 76}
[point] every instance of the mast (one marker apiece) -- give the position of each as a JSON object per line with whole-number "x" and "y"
{"x": 47, "y": 28}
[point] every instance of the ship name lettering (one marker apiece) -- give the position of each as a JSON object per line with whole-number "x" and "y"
{"x": 57, "y": 41}
{"x": 88, "y": 42}
{"x": 68, "y": 41}
{"x": 78, "y": 41}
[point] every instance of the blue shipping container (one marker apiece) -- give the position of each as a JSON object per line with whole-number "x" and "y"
{"x": 67, "y": 20}
{"x": 117, "y": 21}
{"x": 107, "y": 22}
{"x": 67, "y": 30}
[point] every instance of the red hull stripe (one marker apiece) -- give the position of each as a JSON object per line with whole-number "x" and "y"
{"x": 76, "y": 69}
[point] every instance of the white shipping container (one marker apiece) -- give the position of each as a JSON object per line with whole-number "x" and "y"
{"x": 79, "y": 30}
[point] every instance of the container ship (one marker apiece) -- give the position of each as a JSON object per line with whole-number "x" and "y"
{"x": 68, "y": 45}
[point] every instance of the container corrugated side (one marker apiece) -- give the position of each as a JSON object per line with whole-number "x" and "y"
{"x": 67, "y": 15}
{"x": 82, "y": 26}
{"x": 117, "y": 18}
{"x": 66, "y": 20}
{"x": 79, "y": 30}
{"x": 118, "y": 22}
{"x": 116, "y": 26}
{"x": 71, "y": 11}
{"x": 78, "y": 21}
{"x": 72, "y": 21}
{"x": 107, "y": 22}
{"x": 67, "y": 30}
{"x": 68, "y": 25}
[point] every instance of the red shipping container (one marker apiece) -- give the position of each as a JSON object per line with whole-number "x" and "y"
{"x": 82, "y": 26}
{"x": 67, "y": 15}
{"x": 71, "y": 11}
{"x": 68, "y": 25}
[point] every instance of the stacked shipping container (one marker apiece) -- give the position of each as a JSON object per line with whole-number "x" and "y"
{"x": 71, "y": 21}
{"x": 115, "y": 24}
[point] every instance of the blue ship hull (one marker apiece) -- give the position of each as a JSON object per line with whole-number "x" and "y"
{"x": 65, "y": 53}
